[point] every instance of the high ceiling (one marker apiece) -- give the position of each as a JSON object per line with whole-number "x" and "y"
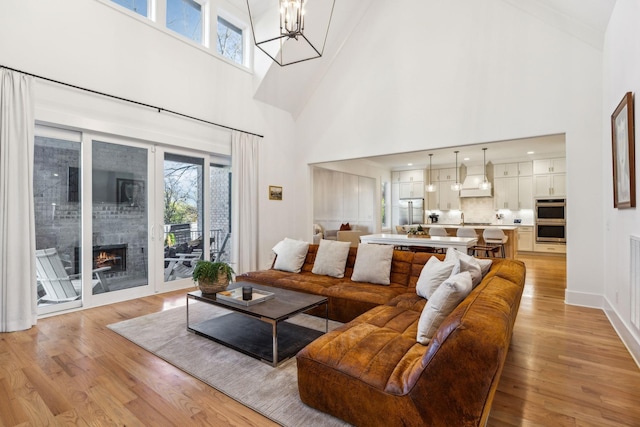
{"x": 289, "y": 87}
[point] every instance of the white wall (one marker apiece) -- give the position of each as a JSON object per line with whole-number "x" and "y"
{"x": 468, "y": 72}
{"x": 621, "y": 70}
{"x": 92, "y": 44}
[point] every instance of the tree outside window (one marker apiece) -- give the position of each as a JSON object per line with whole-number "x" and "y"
{"x": 229, "y": 43}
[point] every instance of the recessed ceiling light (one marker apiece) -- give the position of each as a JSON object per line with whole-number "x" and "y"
{"x": 530, "y": 152}
{"x": 467, "y": 158}
{"x": 409, "y": 164}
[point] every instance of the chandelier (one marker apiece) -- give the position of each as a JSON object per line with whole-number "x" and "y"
{"x": 290, "y": 31}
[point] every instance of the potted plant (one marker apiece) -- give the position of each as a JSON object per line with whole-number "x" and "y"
{"x": 212, "y": 276}
{"x": 419, "y": 231}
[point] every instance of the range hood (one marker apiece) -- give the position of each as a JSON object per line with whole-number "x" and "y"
{"x": 471, "y": 184}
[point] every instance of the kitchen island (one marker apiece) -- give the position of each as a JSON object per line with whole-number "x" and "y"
{"x": 460, "y": 243}
{"x": 510, "y": 248}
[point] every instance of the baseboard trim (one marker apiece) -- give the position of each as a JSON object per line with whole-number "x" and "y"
{"x": 629, "y": 339}
{"x": 583, "y": 299}
{"x": 626, "y": 335}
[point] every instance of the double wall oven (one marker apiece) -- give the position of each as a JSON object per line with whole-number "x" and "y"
{"x": 551, "y": 220}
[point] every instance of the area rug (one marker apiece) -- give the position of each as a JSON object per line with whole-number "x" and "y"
{"x": 273, "y": 392}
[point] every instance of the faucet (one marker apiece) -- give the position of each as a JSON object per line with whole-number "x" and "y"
{"x": 462, "y": 218}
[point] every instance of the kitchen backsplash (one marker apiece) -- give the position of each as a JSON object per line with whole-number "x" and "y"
{"x": 480, "y": 209}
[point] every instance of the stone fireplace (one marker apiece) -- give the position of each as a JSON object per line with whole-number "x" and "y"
{"x": 113, "y": 256}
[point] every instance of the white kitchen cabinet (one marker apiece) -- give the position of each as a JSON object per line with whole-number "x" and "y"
{"x": 443, "y": 198}
{"x": 525, "y": 192}
{"x": 505, "y": 170}
{"x": 395, "y": 176}
{"x": 525, "y": 168}
{"x": 505, "y": 193}
{"x": 412, "y": 190}
{"x": 447, "y": 174}
{"x": 550, "y": 248}
{"x": 447, "y": 198}
{"x": 546, "y": 166}
{"x": 549, "y": 185}
{"x": 433, "y": 199}
{"x": 411, "y": 175}
{"x": 525, "y": 239}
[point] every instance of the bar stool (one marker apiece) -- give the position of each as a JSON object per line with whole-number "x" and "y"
{"x": 467, "y": 232}
{"x": 495, "y": 237}
{"x": 440, "y": 232}
{"x": 437, "y": 231}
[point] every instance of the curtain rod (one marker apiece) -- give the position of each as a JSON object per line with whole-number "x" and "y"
{"x": 160, "y": 109}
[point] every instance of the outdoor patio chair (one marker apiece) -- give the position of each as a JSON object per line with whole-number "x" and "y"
{"x": 59, "y": 286}
{"x": 182, "y": 265}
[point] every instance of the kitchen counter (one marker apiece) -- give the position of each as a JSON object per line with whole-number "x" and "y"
{"x": 510, "y": 248}
{"x": 460, "y": 243}
{"x": 475, "y": 226}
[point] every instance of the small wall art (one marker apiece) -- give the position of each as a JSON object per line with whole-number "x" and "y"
{"x": 275, "y": 192}
{"x": 623, "y": 146}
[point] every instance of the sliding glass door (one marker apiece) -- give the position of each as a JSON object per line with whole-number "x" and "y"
{"x": 184, "y": 228}
{"x": 120, "y": 217}
{"x": 58, "y": 219}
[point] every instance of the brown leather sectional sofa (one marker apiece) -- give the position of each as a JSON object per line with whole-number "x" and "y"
{"x": 372, "y": 371}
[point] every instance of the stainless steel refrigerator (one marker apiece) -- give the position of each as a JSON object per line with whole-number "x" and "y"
{"x": 411, "y": 211}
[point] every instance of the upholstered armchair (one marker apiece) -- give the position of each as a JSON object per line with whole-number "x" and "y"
{"x": 352, "y": 236}
{"x": 317, "y": 234}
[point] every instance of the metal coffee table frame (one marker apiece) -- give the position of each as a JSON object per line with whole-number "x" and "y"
{"x": 260, "y": 330}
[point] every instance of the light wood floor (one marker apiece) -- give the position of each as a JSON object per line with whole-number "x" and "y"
{"x": 565, "y": 367}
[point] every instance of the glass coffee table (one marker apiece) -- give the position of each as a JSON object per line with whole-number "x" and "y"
{"x": 260, "y": 330}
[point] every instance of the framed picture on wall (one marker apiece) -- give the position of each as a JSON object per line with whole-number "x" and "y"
{"x": 623, "y": 146}
{"x": 275, "y": 192}
{"x": 130, "y": 191}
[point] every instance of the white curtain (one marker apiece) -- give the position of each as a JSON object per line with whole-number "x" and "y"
{"x": 244, "y": 200}
{"x": 17, "y": 219}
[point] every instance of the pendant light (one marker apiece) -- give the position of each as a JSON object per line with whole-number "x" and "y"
{"x": 430, "y": 188}
{"x": 485, "y": 185}
{"x": 457, "y": 186}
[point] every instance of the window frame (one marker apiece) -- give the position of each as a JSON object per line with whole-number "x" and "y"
{"x": 204, "y": 22}
{"x": 137, "y": 14}
{"x": 242, "y": 26}
{"x": 157, "y": 17}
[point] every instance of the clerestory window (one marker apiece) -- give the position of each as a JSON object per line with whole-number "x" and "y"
{"x": 229, "y": 41}
{"x": 140, "y": 7}
{"x": 185, "y": 17}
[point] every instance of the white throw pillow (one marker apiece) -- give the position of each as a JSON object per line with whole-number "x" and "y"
{"x": 373, "y": 264}
{"x": 467, "y": 263}
{"x": 443, "y": 301}
{"x": 433, "y": 274}
{"x": 485, "y": 264}
{"x": 331, "y": 258}
{"x": 291, "y": 255}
